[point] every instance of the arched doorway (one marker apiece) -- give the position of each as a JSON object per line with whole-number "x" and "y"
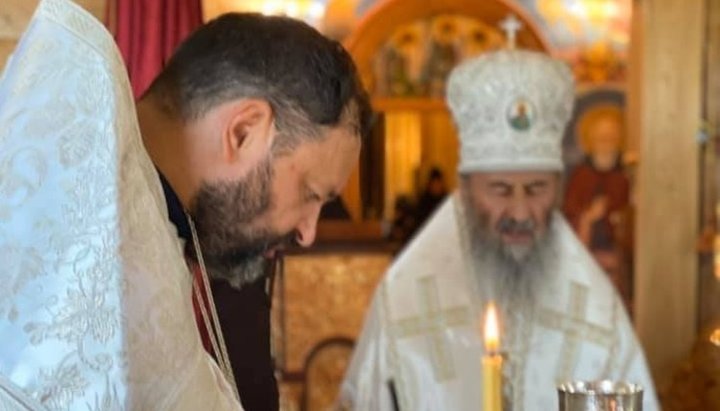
{"x": 404, "y": 50}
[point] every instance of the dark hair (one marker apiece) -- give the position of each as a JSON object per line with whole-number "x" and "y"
{"x": 309, "y": 80}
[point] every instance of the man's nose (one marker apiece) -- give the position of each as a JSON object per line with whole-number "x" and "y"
{"x": 307, "y": 228}
{"x": 519, "y": 210}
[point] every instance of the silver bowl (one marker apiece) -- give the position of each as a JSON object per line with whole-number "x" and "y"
{"x": 599, "y": 396}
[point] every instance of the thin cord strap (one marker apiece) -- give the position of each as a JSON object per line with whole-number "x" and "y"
{"x": 223, "y": 357}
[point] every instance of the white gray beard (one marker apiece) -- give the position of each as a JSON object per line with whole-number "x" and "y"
{"x": 512, "y": 277}
{"x": 505, "y": 278}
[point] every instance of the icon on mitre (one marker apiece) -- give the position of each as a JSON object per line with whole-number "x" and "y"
{"x": 520, "y": 115}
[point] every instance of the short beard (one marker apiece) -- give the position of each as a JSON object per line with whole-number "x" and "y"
{"x": 510, "y": 276}
{"x": 225, "y": 216}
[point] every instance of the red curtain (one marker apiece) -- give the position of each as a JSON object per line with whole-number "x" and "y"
{"x": 147, "y": 32}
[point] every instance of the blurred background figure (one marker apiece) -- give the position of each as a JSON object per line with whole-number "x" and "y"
{"x": 598, "y": 194}
{"x": 434, "y": 193}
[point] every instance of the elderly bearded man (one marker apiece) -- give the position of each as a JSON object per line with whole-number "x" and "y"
{"x": 501, "y": 238}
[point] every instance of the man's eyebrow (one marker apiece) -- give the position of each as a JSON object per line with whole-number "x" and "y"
{"x": 538, "y": 183}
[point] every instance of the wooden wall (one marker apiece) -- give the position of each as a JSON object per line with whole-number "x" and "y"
{"x": 15, "y": 14}
{"x": 670, "y": 86}
{"x": 709, "y": 287}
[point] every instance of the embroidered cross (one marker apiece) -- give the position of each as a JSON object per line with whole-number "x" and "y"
{"x": 575, "y": 329}
{"x": 511, "y": 26}
{"x": 433, "y": 322}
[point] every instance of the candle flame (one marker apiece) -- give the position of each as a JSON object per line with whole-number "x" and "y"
{"x": 491, "y": 329}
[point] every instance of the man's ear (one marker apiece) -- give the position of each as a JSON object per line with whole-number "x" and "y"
{"x": 249, "y": 131}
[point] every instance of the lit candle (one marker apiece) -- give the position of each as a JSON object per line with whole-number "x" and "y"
{"x": 492, "y": 362}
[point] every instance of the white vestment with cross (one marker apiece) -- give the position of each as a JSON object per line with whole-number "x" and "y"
{"x": 422, "y": 331}
{"x": 95, "y": 296}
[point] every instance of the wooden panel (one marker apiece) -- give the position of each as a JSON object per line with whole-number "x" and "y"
{"x": 213, "y": 8}
{"x": 710, "y": 278}
{"x": 666, "y": 271}
{"x": 713, "y": 62}
{"x": 323, "y": 296}
{"x": 15, "y": 14}
{"x": 95, "y": 7}
{"x": 634, "y": 84}
{"x": 6, "y": 47}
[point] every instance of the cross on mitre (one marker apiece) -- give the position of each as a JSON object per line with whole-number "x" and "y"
{"x": 511, "y": 25}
